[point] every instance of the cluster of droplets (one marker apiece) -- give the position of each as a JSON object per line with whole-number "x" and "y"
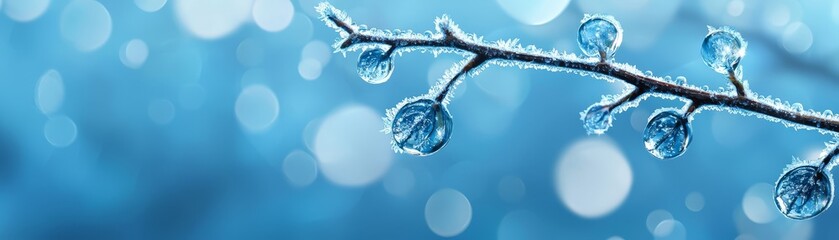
{"x": 668, "y": 132}
{"x": 599, "y": 36}
{"x": 423, "y": 125}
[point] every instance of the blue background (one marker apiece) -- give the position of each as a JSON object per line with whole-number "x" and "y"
{"x": 198, "y": 170}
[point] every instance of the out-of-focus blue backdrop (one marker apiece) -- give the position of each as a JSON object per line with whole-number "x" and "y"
{"x": 232, "y": 119}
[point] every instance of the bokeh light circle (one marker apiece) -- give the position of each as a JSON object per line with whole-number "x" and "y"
{"x": 592, "y": 178}
{"x": 150, "y": 5}
{"x": 25, "y": 10}
{"x": 86, "y": 24}
{"x": 350, "y": 148}
{"x": 758, "y": 204}
{"x": 161, "y": 111}
{"x": 60, "y": 131}
{"x": 310, "y": 69}
{"x": 134, "y": 53}
{"x": 272, "y": 15}
{"x": 300, "y": 168}
{"x": 49, "y": 95}
{"x": 694, "y": 201}
{"x": 257, "y": 108}
{"x": 212, "y": 19}
{"x": 534, "y": 12}
{"x": 448, "y": 212}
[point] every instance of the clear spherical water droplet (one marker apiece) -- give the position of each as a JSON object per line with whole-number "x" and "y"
{"x": 667, "y": 135}
{"x": 374, "y": 67}
{"x": 599, "y": 33}
{"x": 598, "y": 119}
{"x": 722, "y": 49}
{"x": 422, "y": 127}
{"x": 803, "y": 192}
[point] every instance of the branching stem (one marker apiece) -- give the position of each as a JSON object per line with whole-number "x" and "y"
{"x": 485, "y": 52}
{"x": 627, "y": 98}
{"x": 691, "y": 107}
{"x": 741, "y": 91}
{"x": 472, "y": 64}
{"x": 829, "y": 157}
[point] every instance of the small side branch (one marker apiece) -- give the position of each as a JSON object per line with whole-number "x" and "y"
{"x": 627, "y": 98}
{"x": 472, "y": 64}
{"x": 741, "y": 90}
{"x": 341, "y": 24}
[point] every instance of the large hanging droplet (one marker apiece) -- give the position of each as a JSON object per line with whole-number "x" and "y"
{"x": 722, "y": 49}
{"x": 422, "y": 127}
{"x": 600, "y": 34}
{"x": 667, "y": 135}
{"x": 374, "y": 66}
{"x": 597, "y": 119}
{"x": 803, "y": 192}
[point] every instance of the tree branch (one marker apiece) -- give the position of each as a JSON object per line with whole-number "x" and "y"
{"x": 451, "y": 39}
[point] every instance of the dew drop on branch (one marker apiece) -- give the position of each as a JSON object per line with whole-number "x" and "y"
{"x": 803, "y": 192}
{"x": 722, "y": 49}
{"x": 421, "y": 127}
{"x": 599, "y": 33}
{"x": 374, "y": 67}
{"x": 597, "y": 119}
{"x": 667, "y": 135}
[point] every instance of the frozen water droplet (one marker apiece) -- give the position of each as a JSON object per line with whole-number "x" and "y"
{"x": 667, "y": 135}
{"x": 422, "y": 127}
{"x": 648, "y": 73}
{"x": 803, "y": 192}
{"x": 827, "y": 113}
{"x": 599, "y": 33}
{"x": 722, "y": 49}
{"x": 798, "y": 107}
{"x": 597, "y": 119}
{"x": 681, "y": 80}
{"x": 668, "y": 78}
{"x": 374, "y": 67}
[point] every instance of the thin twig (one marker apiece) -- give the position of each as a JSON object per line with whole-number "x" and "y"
{"x": 488, "y": 52}
{"x": 472, "y": 64}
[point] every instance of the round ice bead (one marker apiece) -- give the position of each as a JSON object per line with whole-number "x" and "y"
{"x": 803, "y": 192}
{"x": 421, "y": 127}
{"x": 722, "y": 49}
{"x": 374, "y": 67}
{"x": 667, "y": 135}
{"x": 597, "y": 119}
{"x": 599, "y": 33}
